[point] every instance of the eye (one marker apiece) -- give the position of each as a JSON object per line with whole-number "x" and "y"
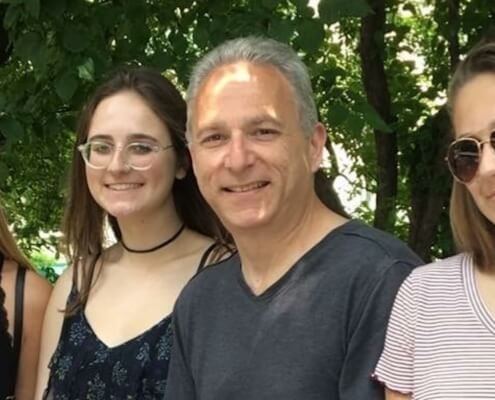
{"x": 140, "y": 148}
{"x": 265, "y": 133}
{"x": 213, "y": 139}
{"x": 101, "y": 148}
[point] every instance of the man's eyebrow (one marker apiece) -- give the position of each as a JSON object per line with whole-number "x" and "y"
{"x": 261, "y": 119}
{"x": 211, "y": 126}
{"x": 247, "y": 122}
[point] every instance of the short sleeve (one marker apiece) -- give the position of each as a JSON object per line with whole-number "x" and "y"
{"x": 395, "y": 366}
{"x": 367, "y": 335}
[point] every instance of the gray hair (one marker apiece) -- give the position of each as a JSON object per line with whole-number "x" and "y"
{"x": 258, "y": 50}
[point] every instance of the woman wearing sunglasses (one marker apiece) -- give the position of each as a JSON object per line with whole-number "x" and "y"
{"x": 131, "y": 167}
{"x": 23, "y": 298}
{"x": 440, "y": 341}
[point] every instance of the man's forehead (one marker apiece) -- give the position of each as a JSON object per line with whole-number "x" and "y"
{"x": 259, "y": 91}
{"x": 241, "y": 73}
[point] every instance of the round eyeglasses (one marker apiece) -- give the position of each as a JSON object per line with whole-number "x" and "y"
{"x": 464, "y": 156}
{"x": 137, "y": 155}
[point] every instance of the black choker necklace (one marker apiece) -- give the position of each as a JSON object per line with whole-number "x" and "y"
{"x": 159, "y": 246}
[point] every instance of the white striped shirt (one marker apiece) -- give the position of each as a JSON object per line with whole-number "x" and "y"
{"x": 440, "y": 341}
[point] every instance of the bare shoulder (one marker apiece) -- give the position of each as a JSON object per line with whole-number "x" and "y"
{"x": 62, "y": 289}
{"x": 36, "y": 289}
{"x": 36, "y": 293}
{"x": 9, "y": 270}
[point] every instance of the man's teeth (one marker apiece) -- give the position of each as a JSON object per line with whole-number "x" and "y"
{"x": 245, "y": 188}
{"x": 123, "y": 186}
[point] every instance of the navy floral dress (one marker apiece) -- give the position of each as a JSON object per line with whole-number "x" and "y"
{"x": 84, "y": 368}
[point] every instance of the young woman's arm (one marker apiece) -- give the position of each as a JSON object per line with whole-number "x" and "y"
{"x": 392, "y": 395}
{"x": 52, "y": 325}
{"x": 36, "y": 293}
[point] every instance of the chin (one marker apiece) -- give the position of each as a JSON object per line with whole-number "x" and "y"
{"x": 122, "y": 211}
{"x": 245, "y": 222}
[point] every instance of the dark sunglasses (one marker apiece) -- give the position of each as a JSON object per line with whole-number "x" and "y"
{"x": 464, "y": 155}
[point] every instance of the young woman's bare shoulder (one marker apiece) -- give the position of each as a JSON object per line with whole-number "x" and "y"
{"x": 9, "y": 270}
{"x": 36, "y": 292}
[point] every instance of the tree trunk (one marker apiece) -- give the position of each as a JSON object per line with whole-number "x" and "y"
{"x": 430, "y": 194}
{"x": 429, "y": 189}
{"x": 377, "y": 92}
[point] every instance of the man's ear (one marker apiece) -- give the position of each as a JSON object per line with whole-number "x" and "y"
{"x": 316, "y": 145}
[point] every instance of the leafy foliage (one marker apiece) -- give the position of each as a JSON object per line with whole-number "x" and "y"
{"x": 60, "y": 49}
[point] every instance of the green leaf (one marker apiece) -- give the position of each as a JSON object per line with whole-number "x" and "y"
{"x": 336, "y": 115}
{"x": 33, "y": 7}
{"x": 86, "y": 71}
{"x": 355, "y": 124}
{"x": 11, "y": 16}
{"x": 27, "y": 46}
{"x": 4, "y": 172}
{"x": 52, "y": 127}
{"x": 202, "y": 32}
{"x": 311, "y": 35}
{"x": 270, "y": 4}
{"x": 41, "y": 57}
{"x": 75, "y": 38}
{"x": 300, "y": 4}
{"x": 14, "y": 2}
{"x": 281, "y": 30}
{"x": 54, "y": 8}
{"x": 3, "y": 101}
{"x": 161, "y": 60}
{"x": 11, "y": 128}
{"x": 66, "y": 86}
{"x": 332, "y": 11}
{"x": 372, "y": 117}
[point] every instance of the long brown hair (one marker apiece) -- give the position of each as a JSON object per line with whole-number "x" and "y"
{"x": 84, "y": 219}
{"x": 10, "y": 250}
{"x": 8, "y": 245}
{"x": 472, "y": 231}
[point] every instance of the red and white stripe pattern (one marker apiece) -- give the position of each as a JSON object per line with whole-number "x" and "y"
{"x": 440, "y": 341}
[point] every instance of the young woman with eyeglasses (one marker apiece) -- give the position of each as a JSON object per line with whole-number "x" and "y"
{"x": 23, "y": 298}
{"x": 130, "y": 165}
{"x": 441, "y": 336}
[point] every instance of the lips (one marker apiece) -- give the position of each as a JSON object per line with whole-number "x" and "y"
{"x": 246, "y": 187}
{"x": 122, "y": 186}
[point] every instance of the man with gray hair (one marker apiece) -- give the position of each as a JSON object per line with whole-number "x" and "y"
{"x": 301, "y": 311}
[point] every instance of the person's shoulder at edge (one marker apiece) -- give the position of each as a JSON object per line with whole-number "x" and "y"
{"x": 372, "y": 242}
{"x": 37, "y": 292}
{"x": 439, "y": 269}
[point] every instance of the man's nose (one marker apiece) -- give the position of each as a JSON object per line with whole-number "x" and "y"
{"x": 239, "y": 153}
